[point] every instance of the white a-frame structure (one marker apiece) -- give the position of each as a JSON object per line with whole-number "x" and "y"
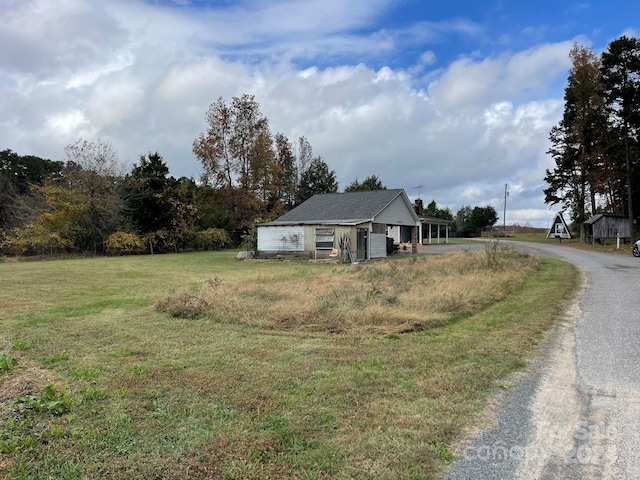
{"x": 559, "y": 228}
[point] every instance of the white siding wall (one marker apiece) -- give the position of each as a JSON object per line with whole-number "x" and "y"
{"x": 281, "y": 239}
{"x": 394, "y": 232}
{"x": 378, "y": 245}
{"x": 396, "y": 213}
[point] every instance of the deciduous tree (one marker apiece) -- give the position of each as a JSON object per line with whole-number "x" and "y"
{"x": 432, "y": 210}
{"x": 213, "y": 148}
{"x": 18, "y": 173}
{"x": 94, "y": 171}
{"x": 227, "y": 149}
{"x": 470, "y": 222}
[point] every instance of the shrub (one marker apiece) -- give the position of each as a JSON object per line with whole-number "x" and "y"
{"x": 249, "y": 240}
{"x": 31, "y": 240}
{"x": 13, "y": 244}
{"x": 213, "y": 239}
{"x": 121, "y": 242}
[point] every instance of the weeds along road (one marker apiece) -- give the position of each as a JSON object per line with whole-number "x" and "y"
{"x": 576, "y": 413}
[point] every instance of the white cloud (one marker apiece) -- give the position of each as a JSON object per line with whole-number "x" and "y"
{"x": 630, "y": 32}
{"x": 142, "y": 77}
{"x": 66, "y": 124}
{"x": 472, "y": 194}
{"x": 468, "y": 83}
{"x": 89, "y": 75}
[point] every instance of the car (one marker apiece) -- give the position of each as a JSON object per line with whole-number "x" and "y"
{"x": 636, "y": 249}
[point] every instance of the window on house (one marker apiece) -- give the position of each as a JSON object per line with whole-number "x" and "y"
{"x": 379, "y": 228}
{"x": 324, "y": 238}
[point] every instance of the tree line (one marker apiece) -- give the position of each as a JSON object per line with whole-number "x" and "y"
{"x": 596, "y": 144}
{"x": 90, "y": 203}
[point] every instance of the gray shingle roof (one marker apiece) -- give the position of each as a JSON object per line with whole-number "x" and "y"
{"x": 339, "y": 208}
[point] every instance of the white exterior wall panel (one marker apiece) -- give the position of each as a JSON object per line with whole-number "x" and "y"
{"x": 378, "y": 245}
{"x": 281, "y": 239}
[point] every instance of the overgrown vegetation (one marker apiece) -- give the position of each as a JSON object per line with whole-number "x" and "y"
{"x": 398, "y": 295}
{"x": 111, "y": 388}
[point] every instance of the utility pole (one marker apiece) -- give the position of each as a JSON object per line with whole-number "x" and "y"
{"x": 504, "y": 215}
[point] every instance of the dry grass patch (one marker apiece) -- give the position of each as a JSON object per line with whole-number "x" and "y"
{"x": 27, "y": 380}
{"x": 395, "y": 295}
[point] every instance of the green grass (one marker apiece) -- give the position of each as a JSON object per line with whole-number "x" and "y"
{"x": 146, "y": 395}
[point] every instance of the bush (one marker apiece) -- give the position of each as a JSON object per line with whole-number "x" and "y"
{"x": 32, "y": 240}
{"x": 121, "y": 242}
{"x": 213, "y": 239}
{"x": 249, "y": 240}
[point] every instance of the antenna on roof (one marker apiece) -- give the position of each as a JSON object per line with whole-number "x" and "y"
{"x": 418, "y": 189}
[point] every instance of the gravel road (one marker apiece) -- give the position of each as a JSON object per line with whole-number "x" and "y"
{"x": 575, "y": 414}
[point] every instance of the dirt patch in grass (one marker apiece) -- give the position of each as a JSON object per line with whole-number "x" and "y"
{"x": 396, "y": 295}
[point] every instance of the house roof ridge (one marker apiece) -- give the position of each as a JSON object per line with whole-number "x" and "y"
{"x": 340, "y": 207}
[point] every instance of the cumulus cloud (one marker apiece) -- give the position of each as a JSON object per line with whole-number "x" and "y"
{"x": 142, "y": 76}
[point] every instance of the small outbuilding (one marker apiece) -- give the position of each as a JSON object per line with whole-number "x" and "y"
{"x": 358, "y": 223}
{"x": 605, "y": 225}
{"x": 559, "y": 228}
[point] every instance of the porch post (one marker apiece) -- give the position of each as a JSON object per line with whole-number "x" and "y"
{"x": 414, "y": 240}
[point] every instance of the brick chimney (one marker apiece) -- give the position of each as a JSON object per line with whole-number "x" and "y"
{"x": 419, "y": 206}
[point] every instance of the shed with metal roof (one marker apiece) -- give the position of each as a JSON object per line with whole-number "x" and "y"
{"x": 605, "y": 225}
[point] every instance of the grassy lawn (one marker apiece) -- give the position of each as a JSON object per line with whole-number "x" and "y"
{"x": 97, "y": 381}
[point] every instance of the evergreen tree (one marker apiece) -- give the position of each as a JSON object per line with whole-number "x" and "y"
{"x": 317, "y": 179}
{"x": 372, "y": 182}
{"x": 621, "y": 79}
{"x": 578, "y": 141}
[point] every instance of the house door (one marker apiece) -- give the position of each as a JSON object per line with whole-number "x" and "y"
{"x": 361, "y": 252}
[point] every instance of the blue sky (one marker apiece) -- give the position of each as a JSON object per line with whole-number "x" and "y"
{"x": 456, "y": 96}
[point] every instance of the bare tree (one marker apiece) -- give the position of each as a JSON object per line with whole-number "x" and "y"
{"x": 95, "y": 173}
